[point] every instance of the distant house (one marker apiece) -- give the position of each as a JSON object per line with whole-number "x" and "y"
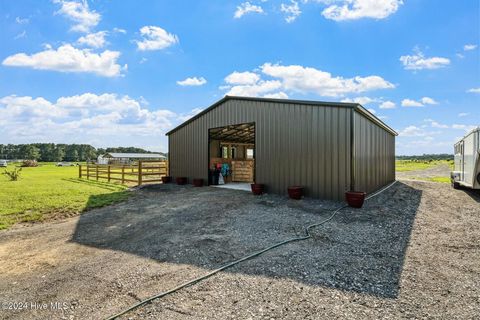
{"x": 128, "y": 158}
{"x": 102, "y": 160}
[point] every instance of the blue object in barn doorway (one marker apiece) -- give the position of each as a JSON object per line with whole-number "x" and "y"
{"x": 225, "y": 170}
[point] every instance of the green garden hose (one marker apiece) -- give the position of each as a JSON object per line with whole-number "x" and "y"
{"x": 231, "y": 264}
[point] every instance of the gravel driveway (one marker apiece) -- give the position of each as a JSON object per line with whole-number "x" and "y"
{"x": 412, "y": 252}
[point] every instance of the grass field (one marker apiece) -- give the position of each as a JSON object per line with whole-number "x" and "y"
{"x": 433, "y": 179}
{"x": 47, "y": 191}
{"x": 410, "y": 165}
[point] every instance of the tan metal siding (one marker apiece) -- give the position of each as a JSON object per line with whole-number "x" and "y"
{"x": 295, "y": 145}
{"x": 374, "y": 155}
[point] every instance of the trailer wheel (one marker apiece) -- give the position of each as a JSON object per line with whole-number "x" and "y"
{"x": 455, "y": 185}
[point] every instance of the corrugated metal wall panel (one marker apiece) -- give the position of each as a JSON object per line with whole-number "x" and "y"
{"x": 374, "y": 155}
{"x": 296, "y": 144}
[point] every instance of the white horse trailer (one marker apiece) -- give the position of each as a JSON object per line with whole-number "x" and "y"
{"x": 467, "y": 161}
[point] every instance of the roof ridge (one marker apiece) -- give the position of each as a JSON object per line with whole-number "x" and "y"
{"x": 356, "y": 106}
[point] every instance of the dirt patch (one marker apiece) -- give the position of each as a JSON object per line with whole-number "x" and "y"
{"x": 411, "y": 252}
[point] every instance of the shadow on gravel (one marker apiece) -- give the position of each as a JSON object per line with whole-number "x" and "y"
{"x": 360, "y": 250}
{"x": 474, "y": 194}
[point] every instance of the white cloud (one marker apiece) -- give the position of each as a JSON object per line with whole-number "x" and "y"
{"x": 426, "y": 144}
{"x": 340, "y": 10}
{"x": 119, "y": 30}
{"x": 107, "y": 119}
{"x": 465, "y": 127}
{"x": 278, "y": 95}
{"x": 104, "y": 102}
{"x": 411, "y": 103}
{"x": 435, "y": 124}
{"x": 372, "y": 111}
{"x": 192, "y": 113}
{"x": 295, "y": 78}
{"x": 427, "y": 100}
{"x": 80, "y": 13}
{"x": 360, "y": 100}
{"x": 242, "y": 78}
{"x": 255, "y": 90}
{"x": 291, "y": 10}
{"x": 22, "y": 34}
{"x": 69, "y": 59}
{"x": 21, "y": 20}
{"x": 423, "y": 101}
{"x": 28, "y": 107}
{"x": 387, "y": 105}
{"x": 418, "y": 61}
{"x": 194, "y": 81}
{"x": 306, "y": 79}
{"x": 155, "y": 38}
{"x": 95, "y": 40}
{"x": 469, "y": 47}
{"x": 412, "y": 131}
{"x": 474, "y": 90}
{"x": 245, "y": 8}
{"x": 463, "y": 114}
{"x": 299, "y": 79}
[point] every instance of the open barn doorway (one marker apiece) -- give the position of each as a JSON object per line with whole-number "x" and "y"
{"x": 232, "y": 156}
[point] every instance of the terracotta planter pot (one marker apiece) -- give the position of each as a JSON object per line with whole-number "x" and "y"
{"x": 166, "y": 179}
{"x": 198, "y": 182}
{"x": 355, "y": 199}
{"x": 257, "y": 188}
{"x": 181, "y": 180}
{"x": 295, "y": 192}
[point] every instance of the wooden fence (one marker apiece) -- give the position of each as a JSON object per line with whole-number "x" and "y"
{"x": 144, "y": 171}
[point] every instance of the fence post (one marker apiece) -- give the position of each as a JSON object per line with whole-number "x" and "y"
{"x": 139, "y": 173}
{"x": 88, "y": 172}
{"x": 80, "y": 171}
{"x": 96, "y": 171}
{"x": 108, "y": 172}
{"x": 123, "y": 174}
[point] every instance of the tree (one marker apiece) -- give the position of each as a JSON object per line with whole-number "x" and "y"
{"x": 51, "y": 152}
{"x": 91, "y": 154}
{"x": 72, "y": 154}
{"x": 46, "y": 151}
{"x": 30, "y": 152}
{"x": 3, "y": 151}
{"x": 58, "y": 154}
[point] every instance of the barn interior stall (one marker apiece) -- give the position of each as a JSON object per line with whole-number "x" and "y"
{"x": 232, "y": 155}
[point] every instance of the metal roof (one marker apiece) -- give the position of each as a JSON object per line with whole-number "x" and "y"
{"x": 242, "y": 133}
{"x": 355, "y": 106}
{"x": 134, "y": 155}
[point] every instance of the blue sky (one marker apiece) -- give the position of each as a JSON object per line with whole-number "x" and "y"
{"x": 113, "y": 73}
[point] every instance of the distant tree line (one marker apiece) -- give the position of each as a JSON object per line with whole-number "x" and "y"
{"x": 50, "y": 152}
{"x": 427, "y": 157}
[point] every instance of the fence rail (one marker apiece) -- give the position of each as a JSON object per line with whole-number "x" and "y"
{"x": 145, "y": 171}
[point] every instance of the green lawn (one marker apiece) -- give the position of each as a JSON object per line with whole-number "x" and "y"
{"x": 434, "y": 179}
{"x": 52, "y": 191}
{"x": 410, "y": 165}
